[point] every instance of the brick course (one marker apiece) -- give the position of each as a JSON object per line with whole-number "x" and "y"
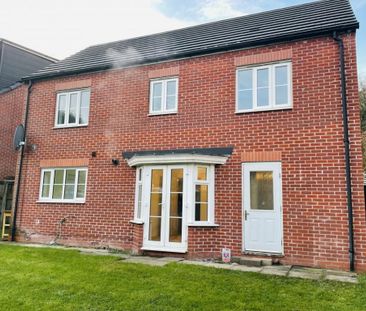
{"x": 309, "y": 138}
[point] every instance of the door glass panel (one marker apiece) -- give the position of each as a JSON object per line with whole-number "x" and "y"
{"x": 176, "y": 205}
{"x": 156, "y": 200}
{"x": 261, "y": 190}
{"x": 155, "y": 225}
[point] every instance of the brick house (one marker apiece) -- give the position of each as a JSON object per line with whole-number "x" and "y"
{"x": 16, "y": 61}
{"x": 227, "y": 134}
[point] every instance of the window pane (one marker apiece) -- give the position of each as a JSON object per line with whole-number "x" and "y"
{"x": 155, "y": 204}
{"x": 171, "y": 88}
{"x": 281, "y": 75}
{"x": 202, "y": 173}
{"x": 201, "y": 193}
{"x": 176, "y": 184}
{"x": 156, "y": 180}
{"x": 82, "y": 177}
{"x": 155, "y": 225}
{"x": 80, "y": 193}
{"x": 84, "y": 116}
{"x": 262, "y": 97}
{"x": 139, "y": 201}
{"x": 245, "y": 79}
{"x": 176, "y": 204}
{"x": 261, "y": 190}
{"x": 57, "y": 192}
{"x": 282, "y": 95}
{"x": 45, "y": 191}
{"x": 175, "y": 230}
{"x": 156, "y": 104}
{"x": 201, "y": 212}
{"x": 69, "y": 192}
{"x": 61, "y": 109}
{"x": 157, "y": 89}
{"x": 262, "y": 77}
{"x": 171, "y": 103}
{"x": 59, "y": 177}
{"x": 73, "y": 108}
{"x": 70, "y": 176}
{"x": 46, "y": 178}
{"x": 85, "y": 99}
{"x": 245, "y": 100}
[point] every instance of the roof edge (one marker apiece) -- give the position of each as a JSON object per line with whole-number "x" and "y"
{"x": 232, "y": 47}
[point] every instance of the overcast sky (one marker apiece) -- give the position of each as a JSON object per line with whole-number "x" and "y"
{"x": 62, "y": 28}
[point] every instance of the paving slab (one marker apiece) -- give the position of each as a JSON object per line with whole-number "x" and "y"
{"x": 341, "y": 276}
{"x": 237, "y": 267}
{"x": 276, "y": 270}
{"x": 306, "y": 273}
{"x": 151, "y": 261}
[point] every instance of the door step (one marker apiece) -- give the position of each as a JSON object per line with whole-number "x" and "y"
{"x": 252, "y": 261}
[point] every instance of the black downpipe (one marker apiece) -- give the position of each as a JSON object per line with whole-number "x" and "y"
{"x": 13, "y": 226}
{"x": 339, "y": 40}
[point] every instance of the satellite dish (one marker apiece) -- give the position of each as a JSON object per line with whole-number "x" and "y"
{"x": 18, "y": 137}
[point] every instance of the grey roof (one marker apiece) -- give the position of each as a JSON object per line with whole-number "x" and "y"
{"x": 310, "y": 19}
{"x": 220, "y": 151}
{"x": 16, "y": 61}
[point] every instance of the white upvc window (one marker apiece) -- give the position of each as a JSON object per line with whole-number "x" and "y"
{"x": 266, "y": 87}
{"x": 203, "y": 200}
{"x": 138, "y": 217}
{"x": 164, "y": 96}
{"x": 72, "y": 108}
{"x": 63, "y": 185}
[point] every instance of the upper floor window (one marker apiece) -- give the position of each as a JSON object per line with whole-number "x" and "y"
{"x": 266, "y": 87}
{"x": 63, "y": 185}
{"x": 164, "y": 96}
{"x": 72, "y": 108}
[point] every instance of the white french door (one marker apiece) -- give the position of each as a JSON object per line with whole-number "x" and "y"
{"x": 262, "y": 207}
{"x": 165, "y": 226}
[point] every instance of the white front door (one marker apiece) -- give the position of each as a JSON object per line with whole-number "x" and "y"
{"x": 165, "y": 228}
{"x": 262, "y": 207}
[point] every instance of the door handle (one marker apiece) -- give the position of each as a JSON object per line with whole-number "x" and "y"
{"x": 246, "y": 214}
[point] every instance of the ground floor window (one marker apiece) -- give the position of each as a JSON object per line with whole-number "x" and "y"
{"x": 63, "y": 185}
{"x": 174, "y": 188}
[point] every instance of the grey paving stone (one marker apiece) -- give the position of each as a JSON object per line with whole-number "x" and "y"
{"x": 341, "y": 276}
{"x": 276, "y": 270}
{"x": 245, "y": 268}
{"x": 146, "y": 261}
{"x": 306, "y": 273}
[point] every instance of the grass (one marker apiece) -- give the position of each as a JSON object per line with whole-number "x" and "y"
{"x": 53, "y": 279}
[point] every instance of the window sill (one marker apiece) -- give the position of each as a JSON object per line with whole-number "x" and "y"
{"x": 152, "y": 114}
{"x": 69, "y": 126}
{"x": 263, "y": 109}
{"x": 137, "y": 222}
{"x": 204, "y": 225}
{"x": 60, "y": 202}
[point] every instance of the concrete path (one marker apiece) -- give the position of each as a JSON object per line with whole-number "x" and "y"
{"x": 286, "y": 271}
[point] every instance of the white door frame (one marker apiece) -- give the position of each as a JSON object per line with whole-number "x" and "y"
{"x": 276, "y": 167}
{"x": 164, "y": 245}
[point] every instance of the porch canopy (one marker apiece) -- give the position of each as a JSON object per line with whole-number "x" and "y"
{"x": 175, "y": 156}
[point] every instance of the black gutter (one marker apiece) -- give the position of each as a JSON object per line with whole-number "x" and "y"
{"x": 201, "y": 52}
{"x": 13, "y": 226}
{"x": 339, "y": 40}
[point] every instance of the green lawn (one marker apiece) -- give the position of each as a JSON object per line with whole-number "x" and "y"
{"x": 52, "y": 279}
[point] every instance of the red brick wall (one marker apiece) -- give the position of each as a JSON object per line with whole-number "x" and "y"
{"x": 308, "y": 137}
{"x": 11, "y": 112}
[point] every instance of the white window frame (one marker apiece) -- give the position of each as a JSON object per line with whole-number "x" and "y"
{"x": 191, "y": 177}
{"x": 163, "y": 110}
{"x": 210, "y": 182}
{"x": 272, "y": 87}
{"x": 67, "y": 108}
{"x": 49, "y": 199}
{"x": 139, "y": 218}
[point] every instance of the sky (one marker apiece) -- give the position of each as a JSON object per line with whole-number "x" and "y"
{"x": 62, "y": 28}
